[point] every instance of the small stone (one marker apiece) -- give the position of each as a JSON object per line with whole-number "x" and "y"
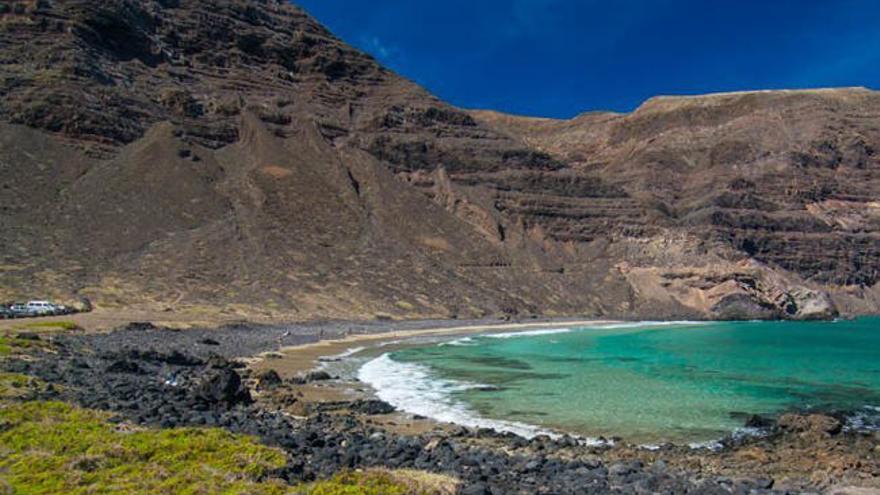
{"x": 268, "y": 379}
{"x": 619, "y": 469}
{"x": 316, "y": 376}
{"x": 478, "y": 488}
{"x": 764, "y": 483}
{"x": 659, "y": 466}
{"x": 297, "y": 380}
{"x": 140, "y": 326}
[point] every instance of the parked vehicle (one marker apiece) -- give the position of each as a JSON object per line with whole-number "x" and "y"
{"x": 41, "y": 308}
{"x": 34, "y": 308}
{"x": 60, "y": 309}
{"x": 21, "y": 310}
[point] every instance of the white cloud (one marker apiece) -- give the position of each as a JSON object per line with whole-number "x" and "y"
{"x": 375, "y": 46}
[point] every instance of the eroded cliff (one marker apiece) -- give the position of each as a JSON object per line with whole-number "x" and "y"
{"x": 235, "y": 155}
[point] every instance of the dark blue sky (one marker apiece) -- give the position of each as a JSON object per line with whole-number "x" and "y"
{"x": 558, "y": 58}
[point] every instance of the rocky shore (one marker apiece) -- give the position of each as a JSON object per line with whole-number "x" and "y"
{"x": 163, "y": 377}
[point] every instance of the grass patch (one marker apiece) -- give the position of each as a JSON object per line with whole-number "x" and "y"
{"x": 14, "y": 386}
{"x": 10, "y": 345}
{"x": 355, "y": 483}
{"x": 423, "y": 482}
{"x": 52, "y": 447}
{"x": 383, "y": 482}
{"x": 49, "y": 325}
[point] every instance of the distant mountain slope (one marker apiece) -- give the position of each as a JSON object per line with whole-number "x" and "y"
{"x": 234, "y": 154}
{"x": 790, "y": 179}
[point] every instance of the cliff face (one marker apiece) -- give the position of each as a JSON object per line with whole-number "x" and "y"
{"x": 235, "y": 154}
{"x": 781, "y": 181}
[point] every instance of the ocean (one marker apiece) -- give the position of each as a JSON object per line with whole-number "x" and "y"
{"x": 647, "y": 382}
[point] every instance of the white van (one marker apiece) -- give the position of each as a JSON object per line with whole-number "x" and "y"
{"x": 41, "y": 308}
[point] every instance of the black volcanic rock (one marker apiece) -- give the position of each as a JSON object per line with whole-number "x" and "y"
{"x": 223, "y": 386}
{"x": 268, "y": 379}
{"x": 124, "y": 366}
{"x": 372, "y": 406}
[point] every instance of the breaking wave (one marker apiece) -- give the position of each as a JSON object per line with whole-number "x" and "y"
{"x": 410, "y": 387}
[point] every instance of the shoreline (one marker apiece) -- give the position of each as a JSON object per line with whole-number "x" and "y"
{"x": 301, "y": 358}
{"x": 297, "y": 360}
{"x": 168, "y": 369}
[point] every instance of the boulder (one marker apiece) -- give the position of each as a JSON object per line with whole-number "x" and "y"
{"x": 813, "y": 424}
{"x": 757, "y": 421}
{"x": 372, "y": 406}
{"x": 222, "y": 386}
{"x": 140, "y": 326}
{"x": 220, "y": 362}
{"x": 317, "y": 376}
{"x": 268, "y": 379}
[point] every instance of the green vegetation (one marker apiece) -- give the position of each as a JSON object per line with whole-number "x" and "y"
{"x": 383, "y": 482}
{"x": 49, "y": 325}
{"x": 10, "y": 345}
{"x": 13, "y": 386}
{"x": 354, "y": 483}
{"x": 53, "y": 447}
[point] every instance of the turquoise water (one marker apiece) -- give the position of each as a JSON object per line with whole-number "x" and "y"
{"x": 680, "y": 382}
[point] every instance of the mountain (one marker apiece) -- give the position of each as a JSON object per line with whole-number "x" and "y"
{"x": 748, "y": 200}
{"x": 234, "y": 155}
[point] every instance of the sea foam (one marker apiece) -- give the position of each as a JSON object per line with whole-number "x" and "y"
{"x": 646, "y": 324}
{"x": 527, "y": 333}
{"x": 410, "y": 388}
{"x": 604, "y": 326}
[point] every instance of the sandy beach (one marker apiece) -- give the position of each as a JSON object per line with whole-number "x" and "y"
{"x": 292, "y": 360}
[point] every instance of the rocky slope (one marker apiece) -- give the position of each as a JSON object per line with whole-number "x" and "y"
{"x": 234, "y": 154}
{"x": 780, "y": 186}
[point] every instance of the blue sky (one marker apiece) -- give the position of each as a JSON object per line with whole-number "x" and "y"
{"x": 558, "y": 58}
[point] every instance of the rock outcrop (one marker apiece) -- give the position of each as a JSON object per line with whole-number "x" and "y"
{"x": 235, "y": 154}
{"x": 222, "y": 386}
{"x": 812, "y": 425}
